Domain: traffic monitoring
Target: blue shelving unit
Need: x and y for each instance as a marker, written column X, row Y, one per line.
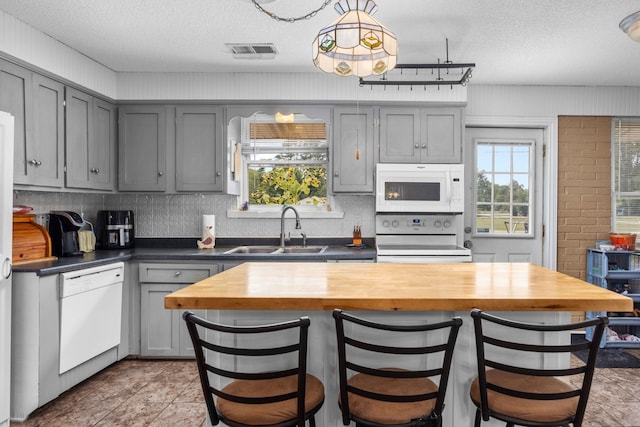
column 618, row 271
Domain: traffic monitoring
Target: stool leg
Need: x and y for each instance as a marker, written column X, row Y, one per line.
column 478, row 418
column 312, row 421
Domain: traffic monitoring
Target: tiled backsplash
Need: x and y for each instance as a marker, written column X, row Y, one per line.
column 180, row 215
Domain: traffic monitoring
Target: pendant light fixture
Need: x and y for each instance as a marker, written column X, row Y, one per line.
column 631, row 26
column 355, row 43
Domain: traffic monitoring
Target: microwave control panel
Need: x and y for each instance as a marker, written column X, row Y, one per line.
column 416, row 223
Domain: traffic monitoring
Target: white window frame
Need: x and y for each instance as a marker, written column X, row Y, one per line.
column 270, row 209
column 616, row 123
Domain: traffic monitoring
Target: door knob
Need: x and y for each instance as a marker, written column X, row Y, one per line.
column 468, row 244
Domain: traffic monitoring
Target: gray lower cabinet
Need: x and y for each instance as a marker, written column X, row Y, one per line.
column 37, row 105
column 162, row 331
column 90, row 141
column 142, row 148
column 199, row 154
column 353, row 150
column 421, row 135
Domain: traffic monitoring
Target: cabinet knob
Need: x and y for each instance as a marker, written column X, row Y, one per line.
column 160, row 173
column 34, row 162
column 417, row 146
column 424, row 145
column 177, row 273
column 336, row 174
column 218, row 174
column 95, row 170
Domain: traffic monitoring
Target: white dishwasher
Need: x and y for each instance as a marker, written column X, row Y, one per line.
column 90, row 313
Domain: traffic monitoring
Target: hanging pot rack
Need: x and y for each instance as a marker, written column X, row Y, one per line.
column 465, row 74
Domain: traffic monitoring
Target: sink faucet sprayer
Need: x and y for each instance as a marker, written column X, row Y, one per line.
column 284, row 210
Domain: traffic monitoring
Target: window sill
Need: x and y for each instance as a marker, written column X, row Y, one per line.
column 277, row 214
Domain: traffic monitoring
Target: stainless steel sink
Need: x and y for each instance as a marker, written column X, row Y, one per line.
column 253, row 250
column 301, row 250
column 274, row 250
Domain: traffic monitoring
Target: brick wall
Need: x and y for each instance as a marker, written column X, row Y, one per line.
column 584, row 189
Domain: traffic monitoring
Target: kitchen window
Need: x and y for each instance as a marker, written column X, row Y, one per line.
column 502, row 189
column 625, row 169
column 284, row 163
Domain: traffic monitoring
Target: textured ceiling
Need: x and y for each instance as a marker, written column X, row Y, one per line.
column 546, row 42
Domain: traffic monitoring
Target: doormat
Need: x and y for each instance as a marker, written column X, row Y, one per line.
column 607, row 357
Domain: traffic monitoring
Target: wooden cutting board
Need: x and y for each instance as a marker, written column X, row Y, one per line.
column 31, row 241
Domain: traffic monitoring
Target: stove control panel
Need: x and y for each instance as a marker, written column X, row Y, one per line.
column 415, row 224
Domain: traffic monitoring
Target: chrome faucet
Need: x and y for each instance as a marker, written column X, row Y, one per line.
column 284, row 210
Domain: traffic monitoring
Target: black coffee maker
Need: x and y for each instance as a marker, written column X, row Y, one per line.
column 115, row 230
column 63, row 230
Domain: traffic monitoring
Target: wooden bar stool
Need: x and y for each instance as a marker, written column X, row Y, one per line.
column 401, row 393
column 525, row 396
column 278, row 396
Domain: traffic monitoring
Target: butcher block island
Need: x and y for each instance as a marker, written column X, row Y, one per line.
column 254, row 293
column 450, row 287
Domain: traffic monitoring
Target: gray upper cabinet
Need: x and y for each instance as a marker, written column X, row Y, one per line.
column 48, row 131
column 421, row 135
column 353, row 150
column 199, row 148
column 103, row 161
column 37, row 104
column 142, row 142
column 90, row 141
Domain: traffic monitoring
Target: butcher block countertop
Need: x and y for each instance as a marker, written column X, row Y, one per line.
column 369, row 286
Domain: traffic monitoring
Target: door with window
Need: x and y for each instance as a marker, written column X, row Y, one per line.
column 504, row 200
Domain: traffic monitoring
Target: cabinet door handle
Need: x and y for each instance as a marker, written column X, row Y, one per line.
column 33, row 162
column 95, row 170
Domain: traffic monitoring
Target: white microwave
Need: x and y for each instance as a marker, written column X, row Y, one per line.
column 409, row 187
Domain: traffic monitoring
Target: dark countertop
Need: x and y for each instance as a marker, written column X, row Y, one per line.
column 186, row 250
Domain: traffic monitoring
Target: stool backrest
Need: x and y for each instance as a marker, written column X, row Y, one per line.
column 263, row 340
column 356, row 345
column 495, row 350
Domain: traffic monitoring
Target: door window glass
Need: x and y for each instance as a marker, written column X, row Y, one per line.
column 503, row 188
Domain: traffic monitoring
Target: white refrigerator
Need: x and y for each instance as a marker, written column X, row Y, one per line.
column 6, row 231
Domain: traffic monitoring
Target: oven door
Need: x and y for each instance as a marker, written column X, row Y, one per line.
column 422, row 259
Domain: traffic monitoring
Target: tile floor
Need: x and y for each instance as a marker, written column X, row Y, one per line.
column 167, row 393
column 129, row 393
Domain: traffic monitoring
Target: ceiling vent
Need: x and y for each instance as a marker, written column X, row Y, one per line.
column 252, row 51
